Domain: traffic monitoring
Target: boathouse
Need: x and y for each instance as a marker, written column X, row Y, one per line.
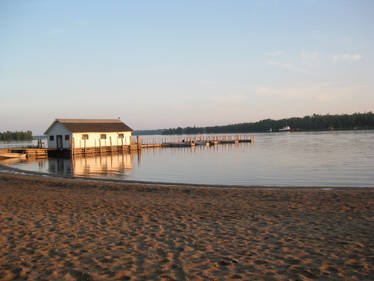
column 70, row 134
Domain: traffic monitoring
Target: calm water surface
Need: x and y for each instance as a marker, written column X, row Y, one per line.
column 277, row 159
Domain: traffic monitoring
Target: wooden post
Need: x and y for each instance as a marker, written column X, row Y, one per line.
column 111, row 147
column 72, row 145
column 100, row 145
column 84, row 146
column 139, row 142
column 253, row 139
column 122, row 143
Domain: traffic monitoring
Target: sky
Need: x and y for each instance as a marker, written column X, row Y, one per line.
column 162, row 64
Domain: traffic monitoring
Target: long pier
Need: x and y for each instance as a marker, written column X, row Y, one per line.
column 210, row 140
column 186, row 141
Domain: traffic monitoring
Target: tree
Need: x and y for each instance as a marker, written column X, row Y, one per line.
column 306, row 123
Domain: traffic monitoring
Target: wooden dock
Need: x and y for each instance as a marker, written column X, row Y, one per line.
column 104, row 149
column 209, row 140
column 10, row 155
column 189, row 141
column 32, row 152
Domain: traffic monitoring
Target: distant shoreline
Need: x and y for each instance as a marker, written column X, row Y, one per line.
column 136, row 133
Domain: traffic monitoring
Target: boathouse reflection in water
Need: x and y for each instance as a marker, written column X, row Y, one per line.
column 94, row 165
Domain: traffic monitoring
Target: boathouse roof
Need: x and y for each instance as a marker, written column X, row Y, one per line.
column 92, row 125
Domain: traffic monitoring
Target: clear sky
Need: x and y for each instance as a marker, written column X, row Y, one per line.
column 160, row 64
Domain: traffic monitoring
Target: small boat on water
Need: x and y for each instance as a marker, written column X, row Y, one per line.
column 285, row 129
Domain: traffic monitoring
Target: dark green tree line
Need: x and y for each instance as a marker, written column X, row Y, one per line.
column 313, row 122
column 15, row 136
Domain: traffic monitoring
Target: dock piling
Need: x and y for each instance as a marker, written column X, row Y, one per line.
column 138, row 142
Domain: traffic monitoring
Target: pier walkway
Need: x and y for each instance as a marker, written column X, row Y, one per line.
column 189, row 141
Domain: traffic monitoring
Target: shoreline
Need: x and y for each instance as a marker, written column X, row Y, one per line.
column 69, row 229
column 4, row 169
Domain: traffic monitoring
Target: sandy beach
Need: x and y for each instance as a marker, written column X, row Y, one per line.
column 61, row 229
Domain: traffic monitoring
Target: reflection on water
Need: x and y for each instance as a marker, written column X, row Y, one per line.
column 109, row 165
column 294, row 159
column 100, row 165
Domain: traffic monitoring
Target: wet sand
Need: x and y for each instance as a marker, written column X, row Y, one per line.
column 61, row 229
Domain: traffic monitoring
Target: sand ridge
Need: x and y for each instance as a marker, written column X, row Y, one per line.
column 58, row 229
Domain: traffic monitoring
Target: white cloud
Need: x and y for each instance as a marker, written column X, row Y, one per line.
column 300, row 93
column 346, row 58
column 57, row 30
column 323, row 93
column 274, row 53
column 80, row 22
column 288, row 66
column 231, row 99
column 309, row 58
column 309, row 55
column 283, row 93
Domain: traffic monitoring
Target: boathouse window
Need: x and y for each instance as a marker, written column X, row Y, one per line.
column 67, row 137
column 103, row 136
column 51, row 138
column 120, row 136
column 85, row 137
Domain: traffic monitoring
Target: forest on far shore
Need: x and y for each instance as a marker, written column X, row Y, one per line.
column 15, row 136
column 313, row 122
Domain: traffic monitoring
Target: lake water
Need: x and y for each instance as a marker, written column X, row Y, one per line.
column 344, row 158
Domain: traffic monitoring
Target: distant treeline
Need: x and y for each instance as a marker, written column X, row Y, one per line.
column 15, row 136
column 314, row 122
column 147, row 132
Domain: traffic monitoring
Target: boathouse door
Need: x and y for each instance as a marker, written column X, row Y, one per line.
column 59, row 142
